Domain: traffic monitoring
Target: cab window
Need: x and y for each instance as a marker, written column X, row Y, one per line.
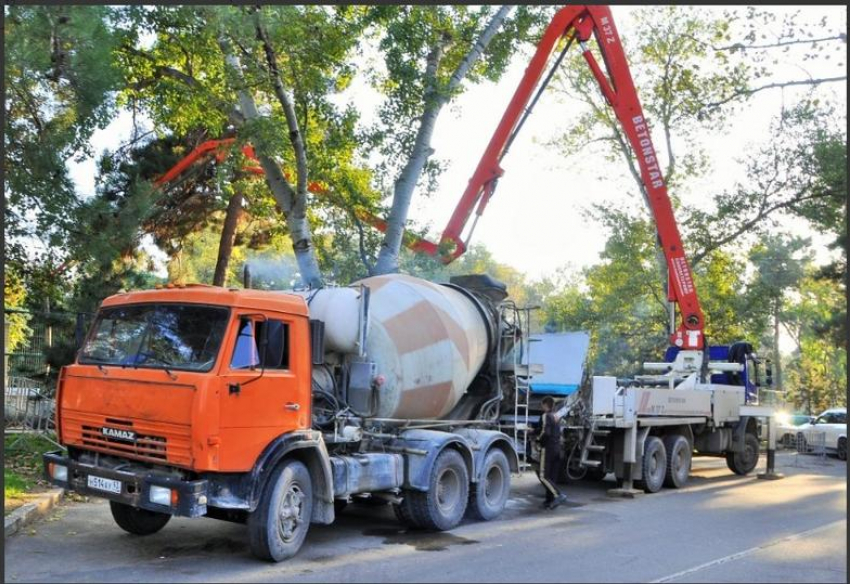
column 261, row 344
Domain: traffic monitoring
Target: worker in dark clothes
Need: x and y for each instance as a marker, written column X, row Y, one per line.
column 549, row 439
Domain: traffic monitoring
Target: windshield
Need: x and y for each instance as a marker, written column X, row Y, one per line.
column 161, row 336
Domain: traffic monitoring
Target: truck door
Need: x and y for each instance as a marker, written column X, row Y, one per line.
column 260, row 391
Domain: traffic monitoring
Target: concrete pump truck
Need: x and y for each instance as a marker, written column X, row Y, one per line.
column 275, row 409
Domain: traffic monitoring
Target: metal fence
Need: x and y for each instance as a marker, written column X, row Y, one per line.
column 810, row 443
column 43, row 342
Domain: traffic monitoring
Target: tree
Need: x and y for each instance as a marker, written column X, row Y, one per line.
column 692, row 69
column 619, row 302
column 779, row 269
column 266, row 75
column 816, row 373
column 430, row 51
column 60, row 77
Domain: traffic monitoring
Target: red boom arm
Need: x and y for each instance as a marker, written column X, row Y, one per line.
column 579, row 23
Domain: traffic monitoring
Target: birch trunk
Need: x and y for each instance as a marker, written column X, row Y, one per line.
column 405, row 184
column 293, row 206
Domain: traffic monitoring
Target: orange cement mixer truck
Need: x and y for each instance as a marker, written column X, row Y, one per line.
column 275, row 409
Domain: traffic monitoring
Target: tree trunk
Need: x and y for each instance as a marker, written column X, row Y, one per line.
column 403, row 192
column 228, row 233
column 293, row 206
column 777, row 357
column 405, row 184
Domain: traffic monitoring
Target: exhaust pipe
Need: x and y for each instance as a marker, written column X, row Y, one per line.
column 246, row 277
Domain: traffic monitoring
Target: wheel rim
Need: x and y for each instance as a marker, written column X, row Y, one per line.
column 291, row 513
column 494, row 485
column 747, row 456
column 448, row 490
column 654, row 464
column 676, row 462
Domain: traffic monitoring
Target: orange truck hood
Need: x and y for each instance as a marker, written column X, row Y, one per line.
column 154, row 409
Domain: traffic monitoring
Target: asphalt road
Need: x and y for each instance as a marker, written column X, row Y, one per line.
column 721, row 528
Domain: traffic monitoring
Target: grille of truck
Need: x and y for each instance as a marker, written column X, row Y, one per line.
column 156, row 442
column 152, row 448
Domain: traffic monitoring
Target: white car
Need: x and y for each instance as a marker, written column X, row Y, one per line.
column 833, row 425
column 787, row 426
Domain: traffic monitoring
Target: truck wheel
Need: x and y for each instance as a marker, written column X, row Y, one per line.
column 137, row 521
column 678, row 461
column 442, row 506
column 654, row 464
column 488, row 496
column 404, row 510
column 842, row 449
column 595, row 474
column 744, row 462
column 277, row 528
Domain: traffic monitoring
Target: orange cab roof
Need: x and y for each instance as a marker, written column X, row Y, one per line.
column 202, row 294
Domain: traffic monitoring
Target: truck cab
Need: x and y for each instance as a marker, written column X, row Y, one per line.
column 180, row 399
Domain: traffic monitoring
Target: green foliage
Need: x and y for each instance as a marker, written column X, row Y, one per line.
column 14, row 485
column 676, row 72
column 408, row 35
column 14, row 295
column 816, row 373
column 799, row 171
column 60, row 78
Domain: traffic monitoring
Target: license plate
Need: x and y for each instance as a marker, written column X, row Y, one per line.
column 102, row 484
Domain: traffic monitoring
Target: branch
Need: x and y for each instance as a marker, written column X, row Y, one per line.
column 746, row 226
column 479, row 47
column 743, row 47
column 163, row 71
column 295, row 137
column 749, row 92
column 671, row 158
column 361, row 243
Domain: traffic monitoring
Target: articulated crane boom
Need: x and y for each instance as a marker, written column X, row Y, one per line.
column 580, row 23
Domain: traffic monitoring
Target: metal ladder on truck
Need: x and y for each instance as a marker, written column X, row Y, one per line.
column 592, row 453
column 516, row 337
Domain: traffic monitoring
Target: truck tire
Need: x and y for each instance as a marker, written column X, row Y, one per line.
column 742, row 463
column 277, row 528
column 137, row 521
column 678, row 461
column 487, row 497
column 595, row 474
column 404, row 510
column 654, row 464
column 442, row 506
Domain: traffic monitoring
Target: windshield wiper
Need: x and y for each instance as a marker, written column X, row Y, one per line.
column 167, row 363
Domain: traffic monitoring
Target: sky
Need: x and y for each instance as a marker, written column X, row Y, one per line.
column 535, row 221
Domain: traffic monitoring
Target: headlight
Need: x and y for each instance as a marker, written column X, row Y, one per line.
column 60, row 472
column 160, row 495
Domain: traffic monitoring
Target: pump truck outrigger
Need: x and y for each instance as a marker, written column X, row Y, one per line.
column 277, row 409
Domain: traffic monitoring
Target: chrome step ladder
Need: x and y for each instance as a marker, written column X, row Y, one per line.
column 593, row 454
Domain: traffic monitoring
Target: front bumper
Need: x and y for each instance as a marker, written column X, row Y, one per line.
column 135, row 486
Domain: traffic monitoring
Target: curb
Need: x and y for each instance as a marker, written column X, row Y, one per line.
column 26, row 514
